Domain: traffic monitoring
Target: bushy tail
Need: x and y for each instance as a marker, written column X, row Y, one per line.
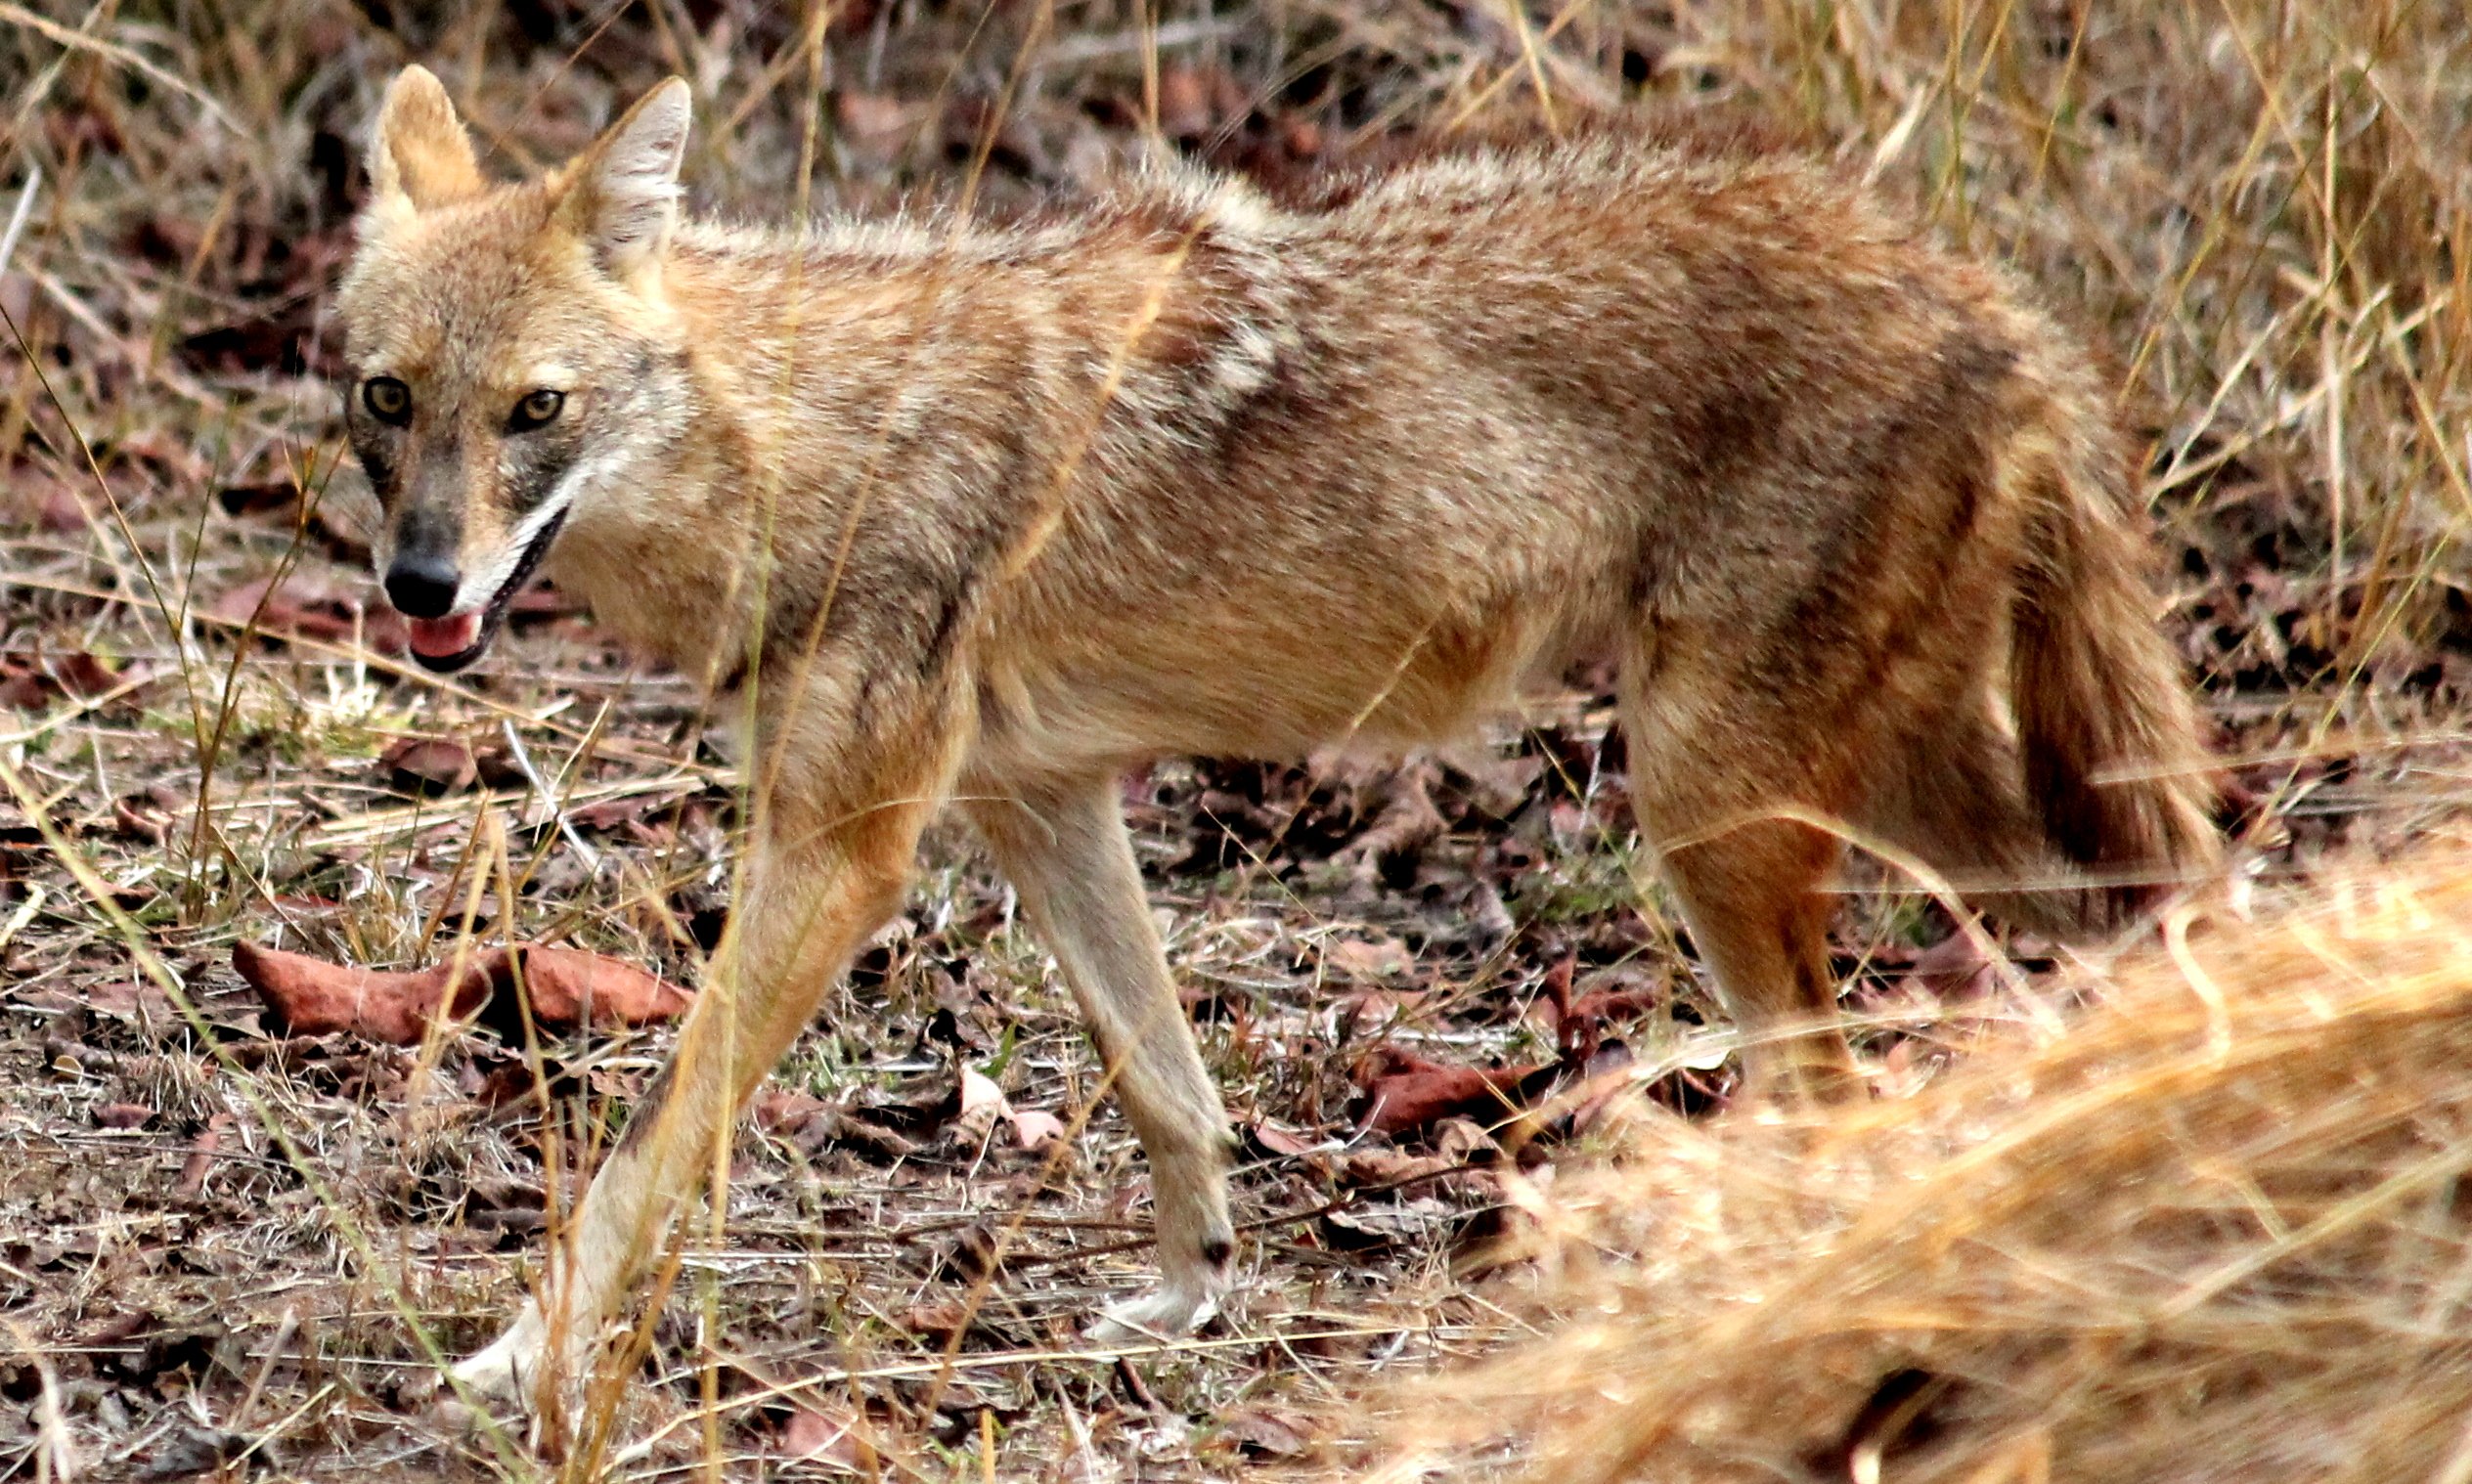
column 2113, row 759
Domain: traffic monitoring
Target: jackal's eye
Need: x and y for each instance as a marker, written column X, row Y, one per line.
column 535, row 410
column 387, row 400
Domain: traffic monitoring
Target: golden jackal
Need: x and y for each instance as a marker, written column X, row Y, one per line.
column 987, row 514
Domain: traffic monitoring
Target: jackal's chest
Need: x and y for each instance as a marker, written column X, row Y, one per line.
column 666, row 597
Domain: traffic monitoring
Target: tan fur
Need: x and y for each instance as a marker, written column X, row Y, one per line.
column 990, row 514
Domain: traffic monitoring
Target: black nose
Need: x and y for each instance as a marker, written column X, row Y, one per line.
column 422, row 586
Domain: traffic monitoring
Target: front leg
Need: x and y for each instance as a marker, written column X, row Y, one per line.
column 816, row 890
column 1064, row 848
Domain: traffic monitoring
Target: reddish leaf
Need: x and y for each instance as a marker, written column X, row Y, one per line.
column 610, row 814
column 940, row 1320
column 876, row 126
column 201, row 1153
column 1282, row 1140
column 1360, row 960
column 1619, row 1004
column 258, row 498
column 808, row 1122
column 150, row 815
column 430, row 765
column 1578, row 1021
column 1035, row 1129
column 23, row 687
column 1957, row 968
column 816, row 1438
column 310, row 996
column 813, row 1125
column 28, row 683
column 541, row 600
column 311, row 608
column 83, row 675
column 1404, row 1093
column 1260, row 1433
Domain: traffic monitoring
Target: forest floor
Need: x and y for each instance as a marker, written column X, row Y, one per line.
column 228, row 1247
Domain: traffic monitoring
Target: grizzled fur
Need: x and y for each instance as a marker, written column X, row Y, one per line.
column 989, row 514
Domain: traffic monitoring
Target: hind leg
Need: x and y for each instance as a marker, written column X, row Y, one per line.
column 1065, row 850
column 1708, row 782
column 1957, row 801
column 1756, row 903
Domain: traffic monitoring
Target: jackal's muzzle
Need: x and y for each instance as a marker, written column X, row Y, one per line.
column 444, row 641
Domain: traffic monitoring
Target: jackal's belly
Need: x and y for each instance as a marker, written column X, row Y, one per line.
column 1262, row 689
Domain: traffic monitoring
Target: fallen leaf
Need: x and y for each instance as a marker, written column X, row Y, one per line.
column 798, row 1118
column 1578, row 1022
column 1035, row 1129
column 980, row 1096
column 1391, row 1168
column 543, row 601
column 815, row 1437
column 1359, row 959
column 1377, row 1008
column 1279, row 1139
column 84, row 675
column 122, row 1116
column 566, row 986
column 980, row 1105
column 151, row 814
column 1956, row 969
column 1261, row 1434
column 259, row 498
column 939, row 1321
column 27, row 682
column 813, row 1126
column 312, row 608
column 23, row 687
column 192, row 1451
column 41, row 500
column 1185, row 102
column 428, row 767
column 201, row 1153
column 1403, row 1093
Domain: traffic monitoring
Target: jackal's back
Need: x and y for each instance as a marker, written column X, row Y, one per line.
column 1498, row 409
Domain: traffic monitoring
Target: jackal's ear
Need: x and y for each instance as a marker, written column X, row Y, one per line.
column 623, row 194
column 421, row 157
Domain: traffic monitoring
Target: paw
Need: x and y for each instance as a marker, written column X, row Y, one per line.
column 503, row 1374
column 1173, row 1312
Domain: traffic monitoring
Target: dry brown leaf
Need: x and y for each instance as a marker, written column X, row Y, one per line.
column 1403, row 1093
column 1361, row 959
column 831, row 1439
column 310, row 996
column 1035, row 1129
column 1262, row 1433
column 429, row 765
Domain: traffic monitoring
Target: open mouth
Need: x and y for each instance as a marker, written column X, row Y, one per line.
column 448, row 644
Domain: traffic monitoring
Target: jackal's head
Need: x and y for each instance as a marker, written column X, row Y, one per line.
column 509, row 351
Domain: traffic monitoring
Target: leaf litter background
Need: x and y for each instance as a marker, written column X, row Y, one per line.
column 213, row 1232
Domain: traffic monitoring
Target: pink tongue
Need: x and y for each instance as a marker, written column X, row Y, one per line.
column 439, row 637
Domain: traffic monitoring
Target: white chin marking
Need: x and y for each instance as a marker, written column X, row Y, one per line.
column 481, row 588
column 482, row 585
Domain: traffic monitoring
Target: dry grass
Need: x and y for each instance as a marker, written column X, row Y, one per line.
column 2213, row 1231
column 2259, row 208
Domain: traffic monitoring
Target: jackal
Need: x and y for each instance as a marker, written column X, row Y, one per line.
column 986, row 514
